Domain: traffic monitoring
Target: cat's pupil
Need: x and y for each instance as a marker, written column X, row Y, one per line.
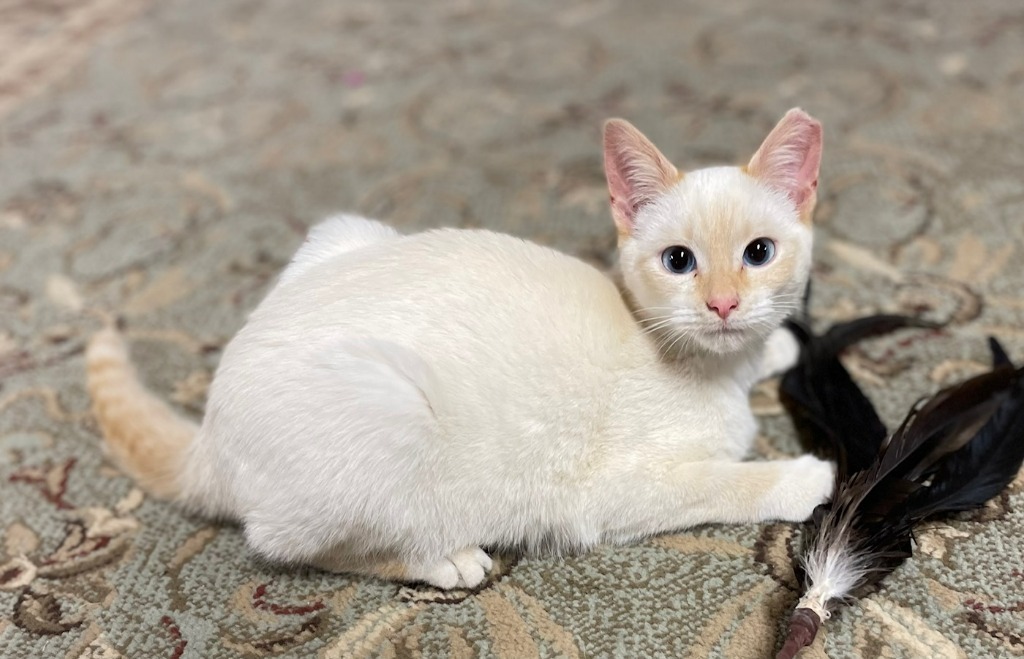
column 759, row 252
column 678, row 259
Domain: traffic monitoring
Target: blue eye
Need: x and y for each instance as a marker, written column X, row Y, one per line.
column 678, row 260
column 759, row 252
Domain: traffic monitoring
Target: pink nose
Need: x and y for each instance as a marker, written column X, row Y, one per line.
column 723, row 306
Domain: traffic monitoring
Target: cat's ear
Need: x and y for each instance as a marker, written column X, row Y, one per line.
column 789, row 158
column 636, row 171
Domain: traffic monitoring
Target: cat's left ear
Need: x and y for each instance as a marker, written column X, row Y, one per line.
column 789, row 159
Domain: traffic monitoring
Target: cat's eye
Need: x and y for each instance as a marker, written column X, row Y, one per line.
column 678, row 260
column 759, row 252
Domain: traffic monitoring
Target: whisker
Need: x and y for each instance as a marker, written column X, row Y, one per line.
column 654, row 329
column 669, row 338
column 659, row 321
column 646, row 309
column 654, row 318
column 677, row 339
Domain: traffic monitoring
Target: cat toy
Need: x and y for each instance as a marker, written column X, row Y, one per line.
column 953, row 452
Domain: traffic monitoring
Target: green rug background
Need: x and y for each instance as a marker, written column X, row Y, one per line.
column 162, row 160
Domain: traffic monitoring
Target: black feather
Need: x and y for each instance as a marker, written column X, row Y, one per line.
column 953, row 452
column 977, row 471
column 951, row 419
column 999, row 356
column 916, row 478
column 829, row 410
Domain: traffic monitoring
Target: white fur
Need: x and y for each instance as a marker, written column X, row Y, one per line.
column 780, row 352
column 419, row 397
column 334, row 236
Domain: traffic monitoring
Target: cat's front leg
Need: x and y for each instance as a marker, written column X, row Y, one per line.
column 780, row 353
column 644, row 501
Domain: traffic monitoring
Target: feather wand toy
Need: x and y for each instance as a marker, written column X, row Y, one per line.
column 953, row 452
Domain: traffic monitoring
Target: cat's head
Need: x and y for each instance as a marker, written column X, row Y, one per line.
column 715, row 258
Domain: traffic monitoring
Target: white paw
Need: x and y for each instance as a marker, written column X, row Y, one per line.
column 473, row 565
column 780, row 352
column 463, row 569
column 806, row 483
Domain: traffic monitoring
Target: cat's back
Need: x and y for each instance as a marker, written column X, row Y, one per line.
column 449, row 282
column 441, row 258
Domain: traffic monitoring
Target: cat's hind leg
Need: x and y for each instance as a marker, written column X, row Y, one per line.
column 355, row 490
column 464, row 569
column 337, row 235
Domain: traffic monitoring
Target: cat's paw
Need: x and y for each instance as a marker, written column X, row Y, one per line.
column 781, row 352
column 473, row 565
column 463, row 569
column 806, row 483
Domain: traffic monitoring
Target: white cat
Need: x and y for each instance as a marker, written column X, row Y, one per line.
column 397, row 403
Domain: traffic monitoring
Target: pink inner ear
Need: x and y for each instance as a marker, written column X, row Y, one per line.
column 806, row 179
column 636, row 171
column 619, row 191
column 790, row 157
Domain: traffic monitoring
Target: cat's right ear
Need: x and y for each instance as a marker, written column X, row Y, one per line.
column 636, row 171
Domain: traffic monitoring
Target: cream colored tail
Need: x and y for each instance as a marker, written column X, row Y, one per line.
column 143, row 434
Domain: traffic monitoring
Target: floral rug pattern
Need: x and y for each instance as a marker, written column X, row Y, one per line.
column 161, row 161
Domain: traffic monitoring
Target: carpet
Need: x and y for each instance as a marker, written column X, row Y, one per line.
column 162, row 160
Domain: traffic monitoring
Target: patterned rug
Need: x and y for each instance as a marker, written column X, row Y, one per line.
column 162, row 160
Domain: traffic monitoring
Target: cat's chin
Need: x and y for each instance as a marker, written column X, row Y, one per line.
column 725, row 341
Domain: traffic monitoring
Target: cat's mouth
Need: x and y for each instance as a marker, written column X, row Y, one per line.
column 726, row 338
column 719, row 338
column 728, row 329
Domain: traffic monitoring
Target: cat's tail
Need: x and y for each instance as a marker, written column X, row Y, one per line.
column 147, row 439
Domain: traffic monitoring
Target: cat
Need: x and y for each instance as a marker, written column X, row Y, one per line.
column 398, row 403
